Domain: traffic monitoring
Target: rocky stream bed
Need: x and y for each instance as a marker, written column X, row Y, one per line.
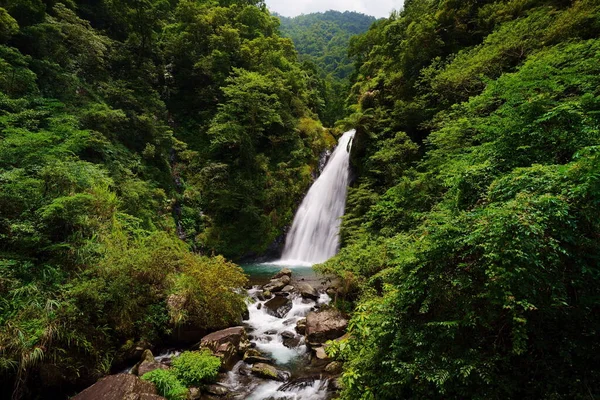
column 278, row 353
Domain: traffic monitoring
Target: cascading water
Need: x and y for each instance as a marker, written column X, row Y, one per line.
column 314, row 234
column 312, row 239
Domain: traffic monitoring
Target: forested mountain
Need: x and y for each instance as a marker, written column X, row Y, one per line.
column 471, row 255
column 323, row 39
column 124, row 125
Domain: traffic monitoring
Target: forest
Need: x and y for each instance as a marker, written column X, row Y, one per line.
column 147, row 146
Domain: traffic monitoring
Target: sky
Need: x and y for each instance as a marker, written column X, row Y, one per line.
column 292, row 8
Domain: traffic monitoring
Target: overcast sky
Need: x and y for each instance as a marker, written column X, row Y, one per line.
column 291, row 8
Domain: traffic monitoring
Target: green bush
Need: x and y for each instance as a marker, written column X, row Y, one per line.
column 167, row 384
column 195, row 368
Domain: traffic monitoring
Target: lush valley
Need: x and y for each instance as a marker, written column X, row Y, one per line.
column 322, row 41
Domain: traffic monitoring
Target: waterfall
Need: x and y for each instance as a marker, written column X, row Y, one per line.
column 314, row 236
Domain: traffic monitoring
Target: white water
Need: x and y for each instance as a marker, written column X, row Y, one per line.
column 314, row 237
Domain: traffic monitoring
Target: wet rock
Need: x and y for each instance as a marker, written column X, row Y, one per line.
column 288, row 334
column 307, row 291
column 253, row 356
column 147, row 364
column 259, row 306
column 282, row 293
column 260, row 295
column 301, row 326
column 217, row 390
column 229, row 344
column 278, row 306
column 277, row 284
column 267, row 294
column 271, row 332
column 119, row 387
column 291, row 343
column 267, row 371
column 325, row 325
column 289, row 322
column 284, row 272
column 245, row 314
column 288, row 289
column 334, row 367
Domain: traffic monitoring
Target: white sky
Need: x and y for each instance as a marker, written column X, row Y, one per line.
column 292, row 8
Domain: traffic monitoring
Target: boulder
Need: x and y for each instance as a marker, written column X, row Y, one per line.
column 278, row 306
column 288, row 334
column 147, row 364
column 267, row 294
column 291, row 343
column 229, row 344
column 254, row 356
column 120, row 387
column 277, row 284
column 217, row 390
column 325, row 325
column 301, row 326
column 334, row 367
column 267, row 371
column 288, row 289
column 307, row 291
column 284, row 272
column 245, row 313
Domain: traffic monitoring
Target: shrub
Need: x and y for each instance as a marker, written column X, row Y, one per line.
column 167, row 384
column 195, row 368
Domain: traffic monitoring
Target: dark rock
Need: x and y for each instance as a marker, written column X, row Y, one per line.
column 271, row 332
column 291, row 343
column 301, row 326
column 267, row 371
column 282, row 293
column 229, row 344
column 278, row 306
column 259, row 306
column 119, row 387
column 307, row 291
column 288, row 334
column 284, row 272
column 245, row 314
column 325, row 325
column 147, row 364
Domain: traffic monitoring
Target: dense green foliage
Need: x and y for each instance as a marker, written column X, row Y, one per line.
column 167, row 384
column 322, row 40
column 194, row 368
column 471, row 238
column 190, row 369
column 130, row 134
